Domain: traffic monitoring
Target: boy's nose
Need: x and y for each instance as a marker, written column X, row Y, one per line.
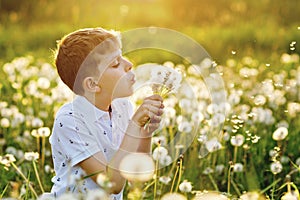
column 128, row 65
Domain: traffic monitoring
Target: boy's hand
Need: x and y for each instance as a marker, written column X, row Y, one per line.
column 150, row 111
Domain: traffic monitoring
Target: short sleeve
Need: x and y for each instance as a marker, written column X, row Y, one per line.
column 75, row 140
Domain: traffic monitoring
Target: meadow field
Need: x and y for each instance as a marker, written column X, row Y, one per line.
column 243, row 147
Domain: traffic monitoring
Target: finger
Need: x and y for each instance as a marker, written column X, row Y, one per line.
column 153, row 102
column 155, row 111
column 155, row 97
column 155, row 119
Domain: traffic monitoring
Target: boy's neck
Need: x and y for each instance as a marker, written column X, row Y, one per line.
column 101, row 102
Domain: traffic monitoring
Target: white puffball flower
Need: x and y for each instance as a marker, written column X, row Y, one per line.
column 238, row 167
column 237, row 140
column 280, row 133
column 103, row 181
column 31, row 156
column 276, row 167
column 210, row 195
column 252, row 196
column 97, row 194
column 220, row 168
column 185, row 186
column 213, row 145
column 11, row 150
column 43, row 83
column 185, row 127
column 44, row 132
column 173, row 196
column 5, row 123
column 165, row 161
column 159, row 152
column 197, row 117
column 165, row 179
column 208, row 170
column 37, row 122
column 137, row 167
column 67, row 196
column 290, row 196
column 298, row 161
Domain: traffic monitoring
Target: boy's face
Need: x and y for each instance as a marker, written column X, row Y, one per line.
column 116, row 78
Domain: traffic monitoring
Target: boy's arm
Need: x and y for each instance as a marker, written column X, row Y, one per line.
column 136, row 139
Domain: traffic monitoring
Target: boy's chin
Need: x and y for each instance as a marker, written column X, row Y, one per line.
column 123, row 95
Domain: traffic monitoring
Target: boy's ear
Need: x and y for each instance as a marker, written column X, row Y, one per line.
column 90, row 85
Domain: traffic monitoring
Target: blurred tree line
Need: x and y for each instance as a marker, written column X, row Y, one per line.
column 186, row 12
column 236, row 24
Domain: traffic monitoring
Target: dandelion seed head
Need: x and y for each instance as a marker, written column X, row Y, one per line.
column 31, row 156
column 210, row 195
column 5, row 123
column 252, row 196
column 37, row 122
column 292, row 195
column 284, row 159
column 172, row 196
column 185, row 127
column 213, row 145
column 159, row 152
column 165, row 180
column 276, row 167
column 220, row 168
column 185, row 186
column 237, row 140
column 280, row 133
column 44, row 132
column 165, row 161
column 137, row 167
column 298, row 161
column 238, row 167
column 7, row 160
column 98, row 194
column 208, row 170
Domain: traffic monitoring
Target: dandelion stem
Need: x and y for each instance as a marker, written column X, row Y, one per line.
column 267, row 188
column 26, row 179
column 229, row 179
column 38, row 144
column 4, row 190
column 156, row 176
column 273, row 188
column 236, row 188
column 149, row 185
column 37, row 176
column 213, row 182
column 235, row 154
column 43, row 151
column 180, row 173
column 174, row 178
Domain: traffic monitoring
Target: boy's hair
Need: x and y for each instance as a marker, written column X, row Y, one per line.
column 72, row 52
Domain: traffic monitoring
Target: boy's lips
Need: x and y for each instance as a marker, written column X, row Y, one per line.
column 133, row 80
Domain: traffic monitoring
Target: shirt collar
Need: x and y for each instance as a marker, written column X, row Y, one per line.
column 87, row 109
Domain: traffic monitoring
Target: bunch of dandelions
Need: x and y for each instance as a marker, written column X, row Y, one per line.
column 165, row 80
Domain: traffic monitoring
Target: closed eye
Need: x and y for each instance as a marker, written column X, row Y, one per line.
column 115, row 63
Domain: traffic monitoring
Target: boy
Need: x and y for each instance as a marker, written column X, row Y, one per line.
column 96, row 130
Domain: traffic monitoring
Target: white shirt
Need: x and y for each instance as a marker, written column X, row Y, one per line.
column 80, row 130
